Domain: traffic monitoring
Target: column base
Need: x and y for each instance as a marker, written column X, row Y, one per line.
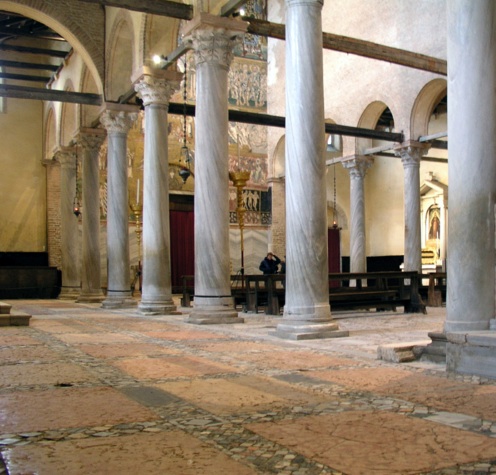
column 69, row 293
column 304, row 330
column 95, row 296
column 158, row 308
column 214, row 317
column 113, row 301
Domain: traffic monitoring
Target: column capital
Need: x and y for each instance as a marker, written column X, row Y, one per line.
column 91, row 138
column 66, row 156
column 117, row 121
column 156, row 86
column 214, row 38
column 411, row 152
column 357, row 165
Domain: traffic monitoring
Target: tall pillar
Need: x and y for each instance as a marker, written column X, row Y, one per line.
column 411, row 154
column 68, row 224
column 307, row 313
column 357, row 167
column 91, row 287
column 213, row 40
column 155, row 88
column 118, row 120
column 471, row 165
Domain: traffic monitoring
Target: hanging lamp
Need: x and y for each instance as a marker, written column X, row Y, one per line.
column 184, row 171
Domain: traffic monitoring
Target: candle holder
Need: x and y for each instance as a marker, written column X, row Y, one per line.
column 239, row 179
column 137, row 210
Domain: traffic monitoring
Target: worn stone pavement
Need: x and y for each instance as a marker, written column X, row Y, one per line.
column 90, row 391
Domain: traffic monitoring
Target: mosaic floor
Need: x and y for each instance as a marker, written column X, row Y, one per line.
column 91, row 391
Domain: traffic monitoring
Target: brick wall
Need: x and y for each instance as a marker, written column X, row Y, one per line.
column 53, row 214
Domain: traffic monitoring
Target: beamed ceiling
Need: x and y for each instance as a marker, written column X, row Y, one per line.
column 31, row 53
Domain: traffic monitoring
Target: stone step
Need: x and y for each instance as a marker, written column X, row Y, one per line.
column 5, row 308
column 401, row 352
column 16, row 319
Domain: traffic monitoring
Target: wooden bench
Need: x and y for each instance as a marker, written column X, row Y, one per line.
column 436, row 288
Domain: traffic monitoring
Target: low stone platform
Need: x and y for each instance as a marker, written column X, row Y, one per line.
column 12, row 318
column 401, row 352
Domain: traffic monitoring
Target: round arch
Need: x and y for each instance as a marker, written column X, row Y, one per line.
column 50, row 133
column 278, row 158
column 120, row 57
column 68, row 118
column 60, row 20
column 368, row 120
column 427, row 100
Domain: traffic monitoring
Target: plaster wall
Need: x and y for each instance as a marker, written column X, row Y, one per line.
column 23, row 210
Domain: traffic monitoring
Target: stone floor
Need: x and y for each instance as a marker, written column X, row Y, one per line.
column 91, row 391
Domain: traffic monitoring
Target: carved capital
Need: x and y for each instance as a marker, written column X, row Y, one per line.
column 91, row 139
column 154, row 90
column 66, row 156
column 411, row 153
column 357, row 165
column 118, row 122
column 214, row 46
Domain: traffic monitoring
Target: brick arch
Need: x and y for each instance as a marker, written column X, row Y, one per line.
column 80, row 23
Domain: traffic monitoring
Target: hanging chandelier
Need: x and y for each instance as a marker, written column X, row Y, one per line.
column 76, row 206
column 185, row 156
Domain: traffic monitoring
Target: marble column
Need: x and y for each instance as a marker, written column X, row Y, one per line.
column 307, row 313
column 118, row 119
column 471, row 165
column 411, row 154
column 155, row 87
column 357, row 167
column 91, row 287
column 71, row 283
column 213, row 40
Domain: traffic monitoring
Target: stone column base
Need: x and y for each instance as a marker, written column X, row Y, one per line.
column 119, row 301
column 158, row 308
column 305, row 330
column 69, row 293
column 90, row 297
column 213, row 317
column 436, row 350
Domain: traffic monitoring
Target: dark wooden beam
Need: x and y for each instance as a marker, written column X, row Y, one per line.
column 22, row 65
column 357, row 47
column 178, row 10
column 24, row 77
column 28, row 50
column 35, row 93
column 277, row 121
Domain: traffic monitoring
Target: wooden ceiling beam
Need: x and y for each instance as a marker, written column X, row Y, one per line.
column 36, row 93
column 178, row 10
column 28, row 50
column 22, row 65
column 24, row 77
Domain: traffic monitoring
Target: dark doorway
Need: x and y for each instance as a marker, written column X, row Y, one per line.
column 334, row 246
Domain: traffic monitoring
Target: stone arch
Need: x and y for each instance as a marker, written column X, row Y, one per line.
column 158, row 35
column 278, row 159
column 368, row 120
column 427, row 100
column 120, row 57
column 50, row 134
column 85, row 33
column 88, row 114
column 68, row 118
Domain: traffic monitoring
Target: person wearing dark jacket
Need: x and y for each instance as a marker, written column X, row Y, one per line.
column 270, row 264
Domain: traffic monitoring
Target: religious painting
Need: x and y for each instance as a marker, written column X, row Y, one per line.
column 247, row 84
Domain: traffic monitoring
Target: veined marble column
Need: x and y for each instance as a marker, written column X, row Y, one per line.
column 118, row 120
column 307, row 313
column 471, row 166
column 357, row 167
column 213, row 40
column 71, row 283
column 91, row 287
column 155, row 88
column 411, row 154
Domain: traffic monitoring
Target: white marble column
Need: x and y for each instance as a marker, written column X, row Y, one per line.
column 71, row 282
column 213, row 40
column 307, row 313
column 471, row 165
column 411, row 154
column 118, row 119
column 155, row 87
column 91, row 287
column 357, row 167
